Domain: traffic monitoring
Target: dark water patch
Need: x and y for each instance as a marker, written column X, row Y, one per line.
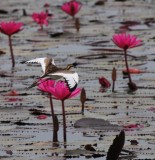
column 3, row 11
column 38, row 112
column 20, row 123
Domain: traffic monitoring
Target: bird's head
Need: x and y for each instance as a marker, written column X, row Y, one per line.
column 69, row 66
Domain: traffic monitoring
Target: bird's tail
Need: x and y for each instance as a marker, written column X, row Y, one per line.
column 36, row 83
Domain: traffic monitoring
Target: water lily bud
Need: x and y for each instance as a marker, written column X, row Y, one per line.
column 114, row 75
column 83, row 96
column 104, row 82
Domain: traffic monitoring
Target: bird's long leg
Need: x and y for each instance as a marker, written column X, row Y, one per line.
column 42, row 76
column 33, row 84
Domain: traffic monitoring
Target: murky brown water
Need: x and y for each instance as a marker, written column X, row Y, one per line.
column 22, row 135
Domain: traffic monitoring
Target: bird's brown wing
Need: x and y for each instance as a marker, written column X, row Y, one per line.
column 51, row 69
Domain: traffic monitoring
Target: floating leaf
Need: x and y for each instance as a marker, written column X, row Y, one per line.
column 95, row 123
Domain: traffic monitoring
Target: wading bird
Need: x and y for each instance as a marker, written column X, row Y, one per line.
column 51, row 71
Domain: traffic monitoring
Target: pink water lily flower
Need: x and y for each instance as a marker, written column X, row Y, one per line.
column 61, row 91
column 72, row 7
column 40, row 18
column 126, row 41
column 44, row 85
column 10, row 28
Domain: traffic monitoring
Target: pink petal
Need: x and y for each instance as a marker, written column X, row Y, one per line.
column 40, row 18
column 71, row 7
column 126, row 41
column 62, row 90
column 118, row 41
column 10, row 28
column 66, row 8
column 77, row 6
column 45, row 84
column 75, row 93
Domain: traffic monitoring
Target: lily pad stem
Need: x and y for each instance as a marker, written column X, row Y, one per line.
column 51, row 104
column 64, row 120
column 127, row 67
column 11, row 51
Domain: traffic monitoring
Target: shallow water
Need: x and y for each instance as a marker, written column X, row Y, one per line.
column 23, row 136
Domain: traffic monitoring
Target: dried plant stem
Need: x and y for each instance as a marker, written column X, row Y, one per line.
column 114, row 75
column 113, row 86
column 127, row 67
column 64, row 120
column 11, row 51
column 83, row 99
column 82, row 108
column 77, row 24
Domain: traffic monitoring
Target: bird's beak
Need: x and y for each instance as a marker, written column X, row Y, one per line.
column 74, row 65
